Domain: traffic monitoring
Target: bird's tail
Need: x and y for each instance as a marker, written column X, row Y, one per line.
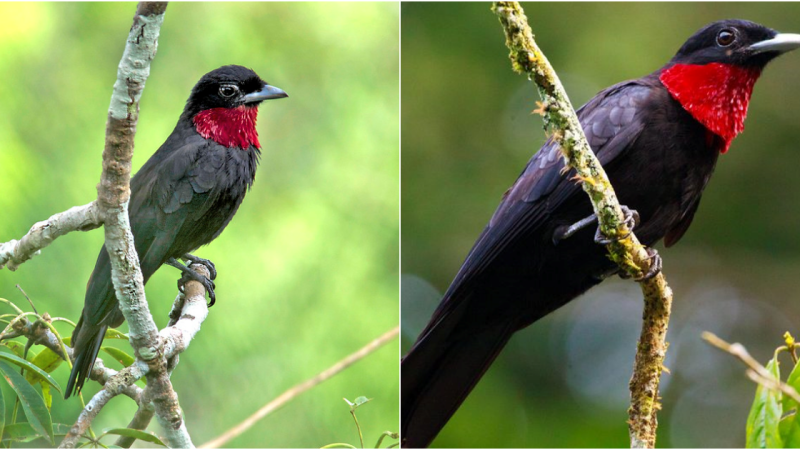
column 86, row 342
column 439, row 372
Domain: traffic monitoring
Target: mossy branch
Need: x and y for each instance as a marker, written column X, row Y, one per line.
column 561, row 122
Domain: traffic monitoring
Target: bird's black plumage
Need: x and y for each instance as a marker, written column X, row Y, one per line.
column 181, row 198
column 659, row 159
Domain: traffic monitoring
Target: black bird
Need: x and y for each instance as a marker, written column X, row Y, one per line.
column 658, row 138
column 183, row 196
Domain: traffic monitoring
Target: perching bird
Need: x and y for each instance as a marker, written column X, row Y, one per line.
column 658, row 138
column 183, row 196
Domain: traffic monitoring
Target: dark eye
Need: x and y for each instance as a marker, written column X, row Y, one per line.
column 725, row 38
column 228, row 90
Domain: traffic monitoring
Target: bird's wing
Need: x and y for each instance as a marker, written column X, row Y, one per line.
column 170, row 194
column 611, row 121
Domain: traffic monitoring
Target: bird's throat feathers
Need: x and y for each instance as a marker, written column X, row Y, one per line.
column 230, row 127
column 715, row 94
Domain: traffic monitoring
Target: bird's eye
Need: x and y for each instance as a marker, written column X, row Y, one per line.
column 228, row 90
column 725, row 37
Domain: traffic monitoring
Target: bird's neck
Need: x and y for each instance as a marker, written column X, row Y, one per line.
column 230, row 127
column 716, row 95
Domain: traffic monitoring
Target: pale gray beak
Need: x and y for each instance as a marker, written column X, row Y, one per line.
column 782, row 43
column 268, row 93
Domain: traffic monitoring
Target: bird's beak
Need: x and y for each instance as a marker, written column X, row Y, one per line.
column 269, row 92
column 781, row 43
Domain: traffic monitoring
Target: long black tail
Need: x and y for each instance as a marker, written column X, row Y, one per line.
column 439, row 372
column 86, row 342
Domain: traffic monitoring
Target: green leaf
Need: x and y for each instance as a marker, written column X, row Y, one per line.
column 338, row 445
column 790, row 431
column 765, row 415
column 23, row 432
column 121, row 357
column 361, row 400
column 29, row 366
column 138, row 434
column 112, row 333
column 15, row 347
column 32, row 403
column 47, row 396
column 46, row 360
column 793, row 381
column 2, row 412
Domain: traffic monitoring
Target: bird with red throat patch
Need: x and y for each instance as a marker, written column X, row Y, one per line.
column 182, row 197
column 658, row 138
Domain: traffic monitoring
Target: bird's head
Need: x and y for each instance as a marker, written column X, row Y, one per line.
column 713, row 74
column 224, row 105
column 735, row 42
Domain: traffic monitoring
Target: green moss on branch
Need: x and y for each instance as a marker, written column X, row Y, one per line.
column 562, row 123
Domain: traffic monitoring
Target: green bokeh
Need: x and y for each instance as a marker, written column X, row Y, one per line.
column 308, row 268
column 468, row 132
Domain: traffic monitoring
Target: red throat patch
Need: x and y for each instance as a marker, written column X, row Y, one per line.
column 716, row 95
column 231, row 127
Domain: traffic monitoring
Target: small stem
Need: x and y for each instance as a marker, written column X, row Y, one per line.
column 358, row 427
column 27, row 298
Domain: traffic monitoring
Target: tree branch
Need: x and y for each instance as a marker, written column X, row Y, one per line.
column 156, row 353
column 113, row 194
column 561, row 121
column 85, row 418
column 298, row 389
column 13, row 253
column 141, row 419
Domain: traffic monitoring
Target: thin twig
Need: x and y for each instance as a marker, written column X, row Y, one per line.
column 562, row 123
column 756, row 371
column 27, row 298
column 302, row 387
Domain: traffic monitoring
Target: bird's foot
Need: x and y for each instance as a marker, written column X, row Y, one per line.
column 197, row 260
column 655, row 266
column 631, row 221
column 191, row 275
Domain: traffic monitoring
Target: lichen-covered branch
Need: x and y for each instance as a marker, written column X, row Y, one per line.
column 113, row 191
column 562, row 123
column 83, row 218
column 85, row 418
column 156, row 353
column 113, row 194
column 296, row 390
column 38, row 332
column 193, row 311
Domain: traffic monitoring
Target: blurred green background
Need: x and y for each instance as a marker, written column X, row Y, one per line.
column 309, row 266
column 467, row 132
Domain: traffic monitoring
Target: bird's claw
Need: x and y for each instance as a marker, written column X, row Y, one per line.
column 631, row 221
column 205, row 262
column 207, row 283
column 654, row 269
column 655, row 265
